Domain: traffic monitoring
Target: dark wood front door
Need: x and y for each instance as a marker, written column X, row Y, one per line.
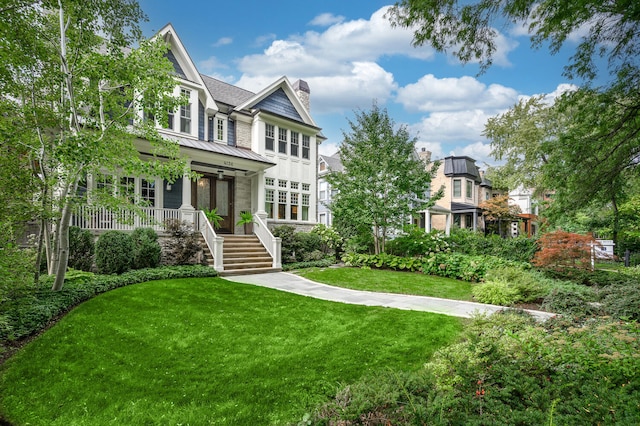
column 209, row 192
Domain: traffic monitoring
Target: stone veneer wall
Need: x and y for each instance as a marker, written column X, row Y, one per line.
column 299, row 227
column 242, row 200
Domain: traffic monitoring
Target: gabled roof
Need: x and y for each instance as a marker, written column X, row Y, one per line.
column 277, row 89
column 333, row 162
column 182, row 62
column 226, row 93
column 461, row 166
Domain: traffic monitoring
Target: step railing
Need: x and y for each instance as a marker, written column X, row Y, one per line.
column 214, row 242
column 271, row 243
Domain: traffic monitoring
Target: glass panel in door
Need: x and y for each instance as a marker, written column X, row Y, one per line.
column 223, row 203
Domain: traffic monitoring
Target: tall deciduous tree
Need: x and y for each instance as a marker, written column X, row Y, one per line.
column 588, row 145
column 609, row 29
column 384, row 182
column 79, row 90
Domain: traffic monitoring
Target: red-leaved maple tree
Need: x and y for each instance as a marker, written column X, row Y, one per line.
column 561, row 249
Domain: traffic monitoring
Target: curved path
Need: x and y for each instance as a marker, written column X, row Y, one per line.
column 296, row 284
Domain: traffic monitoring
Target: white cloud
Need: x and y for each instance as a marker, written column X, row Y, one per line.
column 431, row 94
column 479, row 151
column 326, row 19
column 456, row 126
column 328, row 148
column 339, row 63
column 223, row 41
column 210, row 65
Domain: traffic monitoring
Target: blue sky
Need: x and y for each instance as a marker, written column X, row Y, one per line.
column 350, row 56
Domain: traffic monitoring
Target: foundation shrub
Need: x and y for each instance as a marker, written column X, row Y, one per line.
column 147, row 251
column 81, row 249
column 114, row 252
column 298, row 246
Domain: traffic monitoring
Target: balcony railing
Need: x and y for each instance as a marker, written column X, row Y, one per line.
column 102, row 219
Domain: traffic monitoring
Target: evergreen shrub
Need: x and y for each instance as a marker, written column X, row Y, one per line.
column 147, row 251
column 114, row 252
column 82, row 248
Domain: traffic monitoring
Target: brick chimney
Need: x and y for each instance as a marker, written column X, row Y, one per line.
column 304, row 94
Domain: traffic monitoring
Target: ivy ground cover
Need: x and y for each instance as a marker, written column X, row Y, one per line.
column 206, row 351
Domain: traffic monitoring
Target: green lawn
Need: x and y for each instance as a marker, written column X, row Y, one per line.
column 391, row 282
column 207, row 351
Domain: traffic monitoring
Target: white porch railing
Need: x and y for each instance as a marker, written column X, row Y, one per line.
column 214, row 242
column 102, row 219
column 271, row 243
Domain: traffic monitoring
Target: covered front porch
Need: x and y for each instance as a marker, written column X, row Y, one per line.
column 230, row 180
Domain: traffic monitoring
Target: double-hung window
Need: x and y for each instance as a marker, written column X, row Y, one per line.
column 295, row 143
column 305, row 147
column 469, row 189
column 282, row 140
column 282, row 204
column 305, row 206
column 294, row 205
column 185, row 113
column 269, row 134
column 269, row 203
column 220, row 129
column 457, row 188
column 148, row 192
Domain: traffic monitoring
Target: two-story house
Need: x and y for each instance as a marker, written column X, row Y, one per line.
column 464, row 189
column 326, row 165
column 254, row 152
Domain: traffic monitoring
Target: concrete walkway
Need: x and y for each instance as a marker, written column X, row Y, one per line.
column 295, row 284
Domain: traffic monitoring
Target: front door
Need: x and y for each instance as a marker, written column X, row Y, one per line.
column 209, row 192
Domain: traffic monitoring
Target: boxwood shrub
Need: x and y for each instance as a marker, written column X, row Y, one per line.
column 114, row 252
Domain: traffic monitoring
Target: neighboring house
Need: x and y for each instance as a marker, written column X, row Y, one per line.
column 256, row 152
column 326, row 165
column 464, row 189
column 524, row 198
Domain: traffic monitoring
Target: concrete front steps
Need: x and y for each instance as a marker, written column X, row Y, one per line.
column 245, row 254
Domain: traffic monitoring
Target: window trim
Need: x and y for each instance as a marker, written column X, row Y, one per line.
column 269, row 137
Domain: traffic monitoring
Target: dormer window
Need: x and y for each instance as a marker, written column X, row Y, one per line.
column 185, row 113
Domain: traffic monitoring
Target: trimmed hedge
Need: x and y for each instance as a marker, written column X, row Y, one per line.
column 32, row 312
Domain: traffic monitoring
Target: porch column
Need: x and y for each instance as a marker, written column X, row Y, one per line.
column 475, row 221
column 447, row 226
column 427, row 220
column 187, row 211
column 261, row 193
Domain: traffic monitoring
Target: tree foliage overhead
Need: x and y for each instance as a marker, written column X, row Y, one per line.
column 471, row 29
column 384, row 182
